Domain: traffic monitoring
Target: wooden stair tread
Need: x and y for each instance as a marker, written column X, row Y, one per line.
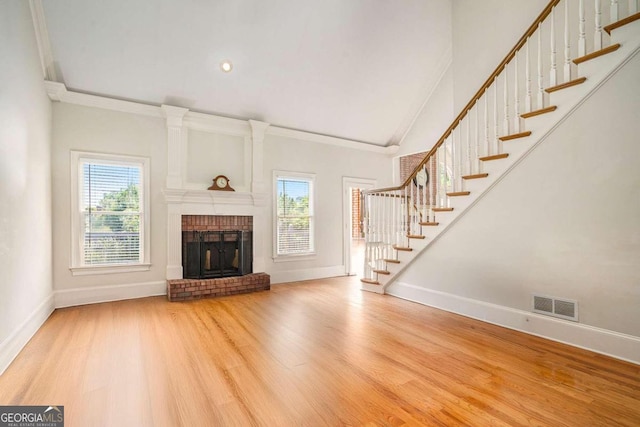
column 459, row 193
column 538, row 112
column 494, row 157
column 430, row 224
column 370, row 281
column 392, row 261
column 415, row 236
column 402, row 248
column 515, row 136
column 476, row 176
column 382, row 271
column 566, row 85
column 442, row 209
column 597, row 53
column 621, row 23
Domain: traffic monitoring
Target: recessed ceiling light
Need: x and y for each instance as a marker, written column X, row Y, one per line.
column 226, row 66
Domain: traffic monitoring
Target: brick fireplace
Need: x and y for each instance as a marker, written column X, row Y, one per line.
column 210, row 211
column 216, row 246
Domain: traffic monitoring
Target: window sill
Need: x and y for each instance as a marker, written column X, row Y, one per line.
column 108, row 269
column 289, row 258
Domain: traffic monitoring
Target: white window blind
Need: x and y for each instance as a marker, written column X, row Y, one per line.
column 111, row 212
column 294, row 212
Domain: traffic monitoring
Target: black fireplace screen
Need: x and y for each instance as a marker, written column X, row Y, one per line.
column 207, row 254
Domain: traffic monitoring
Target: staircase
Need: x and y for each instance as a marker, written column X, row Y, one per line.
column 552, row 69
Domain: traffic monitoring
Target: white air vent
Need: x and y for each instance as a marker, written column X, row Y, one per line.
column 556, row 307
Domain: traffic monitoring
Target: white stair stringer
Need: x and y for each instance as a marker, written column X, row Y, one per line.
column 597, row 71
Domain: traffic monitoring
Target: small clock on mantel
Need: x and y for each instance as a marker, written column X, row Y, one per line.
column 221, row 183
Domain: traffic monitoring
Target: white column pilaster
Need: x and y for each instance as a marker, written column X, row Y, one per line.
column 174, row 240
column 259, row 190
column 176, row 136
column 258, row 130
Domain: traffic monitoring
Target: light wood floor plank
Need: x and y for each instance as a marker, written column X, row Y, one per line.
column 311, row 353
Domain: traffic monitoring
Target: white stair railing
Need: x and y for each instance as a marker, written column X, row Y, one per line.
column 570, row 28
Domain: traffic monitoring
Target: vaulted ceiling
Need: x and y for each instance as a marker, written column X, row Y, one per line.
column 356, row 69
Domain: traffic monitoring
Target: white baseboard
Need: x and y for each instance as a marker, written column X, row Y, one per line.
column 610, row 343
column 306, row 274
column 15, row 342
column 98, row 294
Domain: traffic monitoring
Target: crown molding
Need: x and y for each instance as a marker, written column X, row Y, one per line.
column 330, row 140
column 218, row 124
column 59, row 92
column 204, row 122
column 42, row 39
column 174, row 115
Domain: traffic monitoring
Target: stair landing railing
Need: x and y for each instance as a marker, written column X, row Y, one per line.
column 545, row 58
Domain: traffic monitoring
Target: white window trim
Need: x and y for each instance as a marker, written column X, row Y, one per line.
column 77, row 269
column 279, row 174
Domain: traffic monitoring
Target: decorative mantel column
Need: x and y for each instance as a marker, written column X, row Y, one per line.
column 258, row 130
column 176, row 136
column 259, row 191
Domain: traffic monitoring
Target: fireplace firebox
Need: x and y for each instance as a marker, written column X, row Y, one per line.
column 209, row 254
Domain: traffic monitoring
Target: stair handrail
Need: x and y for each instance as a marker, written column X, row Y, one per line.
column 512, row 53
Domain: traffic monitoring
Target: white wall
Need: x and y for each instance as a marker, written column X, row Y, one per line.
column 330, row 163
column 483, row 33
column 224, row 154
column 25, row 184
column 436, row 116
column 93, row 129
column 563, row 223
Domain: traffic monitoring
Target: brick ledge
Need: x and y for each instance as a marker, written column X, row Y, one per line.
column 190, row 289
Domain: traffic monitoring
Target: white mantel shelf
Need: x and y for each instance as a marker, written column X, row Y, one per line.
column 212, row 197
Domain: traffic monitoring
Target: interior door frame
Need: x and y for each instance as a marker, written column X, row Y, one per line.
column 347, row 184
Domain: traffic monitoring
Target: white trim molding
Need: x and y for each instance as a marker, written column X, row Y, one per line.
column 610, row 343
column 42, row 39
column 78, row 266
column 350, row 182
column 204, row 122
column 306, row 274
column 331, row 140
column 98, row 294
column 58, row 92
column 15, row 342
column 310, row 178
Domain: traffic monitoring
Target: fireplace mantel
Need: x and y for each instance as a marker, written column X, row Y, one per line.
column 209, row 197
column 209, row 202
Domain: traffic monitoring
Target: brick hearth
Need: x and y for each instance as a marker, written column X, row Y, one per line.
column 190, row 289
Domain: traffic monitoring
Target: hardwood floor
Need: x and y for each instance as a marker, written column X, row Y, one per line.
column 312, row 353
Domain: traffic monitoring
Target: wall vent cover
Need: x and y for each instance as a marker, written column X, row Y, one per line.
column 556, row 307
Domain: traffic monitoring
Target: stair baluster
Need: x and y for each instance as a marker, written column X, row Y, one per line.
column 528, row 104
column 567, row 44
column 395, row 219
column 597, row 36
column 540, row 68
column 505, row 95
column 582, row 36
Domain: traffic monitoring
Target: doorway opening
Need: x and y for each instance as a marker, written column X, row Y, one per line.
column 354, row 245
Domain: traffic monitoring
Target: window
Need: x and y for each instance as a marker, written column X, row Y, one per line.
column 109, row 213
column 293, row 214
